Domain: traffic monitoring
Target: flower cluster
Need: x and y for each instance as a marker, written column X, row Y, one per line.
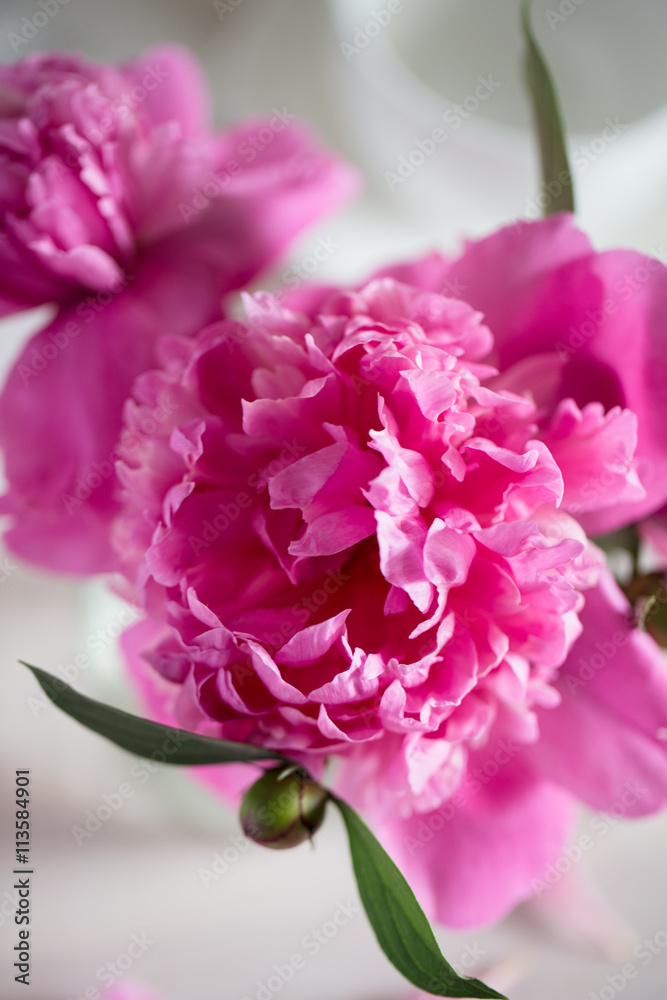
column 357, row 534
column 361, row 521
column 123, row 208
column 356, row 530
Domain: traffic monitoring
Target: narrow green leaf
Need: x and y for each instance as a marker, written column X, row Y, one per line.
column 556, row 172
column 145, row 738
column 400, row 925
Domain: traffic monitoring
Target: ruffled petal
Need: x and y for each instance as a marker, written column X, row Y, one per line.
column 542, row 289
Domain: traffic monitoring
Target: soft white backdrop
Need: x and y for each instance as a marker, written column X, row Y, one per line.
column 139, row 874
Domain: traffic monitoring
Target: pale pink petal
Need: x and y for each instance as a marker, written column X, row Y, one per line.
column 605, row 741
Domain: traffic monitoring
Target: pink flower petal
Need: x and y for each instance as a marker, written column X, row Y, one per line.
column 473, row 859
column 311, row 643
column 614, row 698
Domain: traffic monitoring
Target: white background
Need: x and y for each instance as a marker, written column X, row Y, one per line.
column 139, row 874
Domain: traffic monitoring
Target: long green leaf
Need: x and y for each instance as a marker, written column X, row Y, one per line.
column 400, row 925
column 145, row 738
column 556, row 172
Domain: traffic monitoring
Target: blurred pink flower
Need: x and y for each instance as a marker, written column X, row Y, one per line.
column 95, row 160
column 121, row 206
column 356, row 524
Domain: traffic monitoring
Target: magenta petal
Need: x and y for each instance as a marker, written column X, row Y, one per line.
column 428, row 273
column 61, row 409
column 594, row 451
column 358, row 682
column 267, row 671
column 311, row 643
column 473, row 859
column 298, row 484
column 173, row 86
column 455, row 589
column 334, row 532
column 514, row 277
column 447, row 555
column 433, row 390
column 607, row 740
column 542, row 289
column 84, row 265
column 158, row 699
column 267, row 200
column 402, row 557
column 24, row 281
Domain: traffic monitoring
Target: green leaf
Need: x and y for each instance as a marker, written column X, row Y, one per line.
column 400, row 925
column 556, row 172
column 145, row 738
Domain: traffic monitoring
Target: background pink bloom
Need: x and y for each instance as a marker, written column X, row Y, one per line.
column 349, row 525
column 121, row 206
column 94, row 161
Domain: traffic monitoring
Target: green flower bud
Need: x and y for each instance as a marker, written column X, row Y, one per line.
column 283, row 809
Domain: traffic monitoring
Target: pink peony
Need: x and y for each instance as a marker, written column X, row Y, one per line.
column 356, row 538
column 123, row 208
column 95, row 160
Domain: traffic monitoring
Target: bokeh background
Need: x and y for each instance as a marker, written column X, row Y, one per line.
column 370, row 92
